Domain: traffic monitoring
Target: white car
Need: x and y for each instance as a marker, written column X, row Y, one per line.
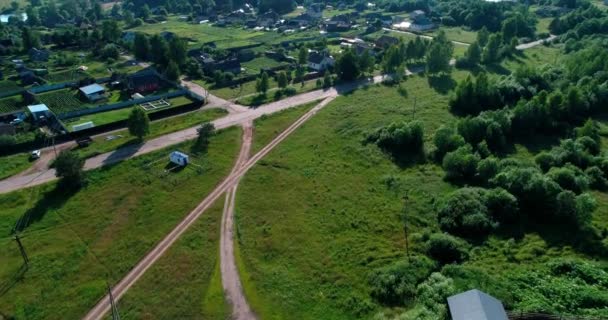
column 35, row 154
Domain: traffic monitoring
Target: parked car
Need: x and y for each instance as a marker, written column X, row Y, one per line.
column 35, row 154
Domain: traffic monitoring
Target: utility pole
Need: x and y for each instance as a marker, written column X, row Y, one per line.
column 26, row 260
column 115, row 314
column 405, row 231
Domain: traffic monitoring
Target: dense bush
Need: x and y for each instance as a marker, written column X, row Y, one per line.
column 446, row 140
column 399, row 137
column 432, row 294
column 465, row 213
column 396, row 283
column 461, row 164
column 445, row 248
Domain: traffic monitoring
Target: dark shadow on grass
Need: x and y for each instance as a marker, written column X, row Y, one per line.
column 405, row 159
column 12, row 281
column 124, row 151
column 498, row 69
column 51, row 200
column 442, row 83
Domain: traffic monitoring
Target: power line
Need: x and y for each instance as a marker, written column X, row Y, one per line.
column 26, row 260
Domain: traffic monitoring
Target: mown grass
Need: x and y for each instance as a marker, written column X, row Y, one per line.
column 457, row 34
column 157, row 128
column 327, row 217
column 76, row 242
column 187, row 275
column 13, row 164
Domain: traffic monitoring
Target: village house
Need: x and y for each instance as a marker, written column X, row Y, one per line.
column 93, row 92
column 40, row 112
column 320, row 61
column 144, row 81
column 337, row 26
column 268, row 19
column 302, row 20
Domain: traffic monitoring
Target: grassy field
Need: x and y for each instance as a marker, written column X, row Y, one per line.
column 256, row 65
column 268, row 127
column 13, row 164
column 76, row 242
column 457, row 34
column 157, row 128
column 229, row 93
column 542, row 26
column 256, row 100
column 306, row 249
column 187, row 275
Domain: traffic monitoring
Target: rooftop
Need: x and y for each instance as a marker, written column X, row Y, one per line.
column 476, row 305
column 92, row 89
column 38, row 108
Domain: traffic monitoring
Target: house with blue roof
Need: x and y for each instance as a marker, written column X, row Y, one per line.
column 93, row 92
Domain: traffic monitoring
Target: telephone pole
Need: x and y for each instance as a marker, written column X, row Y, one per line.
column 115, row 314
column 26, row 260
column 405, row 231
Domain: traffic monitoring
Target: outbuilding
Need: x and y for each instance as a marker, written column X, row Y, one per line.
column 93, row 92
column 179, row 158
column 39, row 112
column 476, row 305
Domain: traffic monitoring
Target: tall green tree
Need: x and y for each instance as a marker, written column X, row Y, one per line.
column 69, row 167
column 347, row 66
column 205, row 132
column 439, row 54
column 178, row 48
column 262, row 84
column 282, row 80
column 29, row 39
column 483, row 36
column 141, row 46
column 303, row 56
column 172, row 72
column 159, row 50
column 139, row 123
column 367, row 62
column 473, row 54
column 491, row 53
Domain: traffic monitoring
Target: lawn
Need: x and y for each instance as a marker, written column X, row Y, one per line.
column 254, row 99
column 188, row 275
column 157, row 128
column 457, row 34
column 542, row 26
column 77, row 242
column 229, row 93
column 256, row 65
column 327, row 217
column 13, row 164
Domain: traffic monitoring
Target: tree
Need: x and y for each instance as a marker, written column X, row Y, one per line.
column 392, row 60
column 30, row 39
column 205, row 132
column 159, row 50
column 473, row 54
column 347, row 66
column 446, row 140
column 366, row 62
column 483, row 36
column 110, row 51
column 141, row 46
column 110, row 31
column 178, row 50
column 439, row 54
column 432, row 294
column 139, row 123
column 262, row 84
column 327, row 80
column 282, row 80
column 69, row 167
column 303, row 56
column 491, row 52
column 396, row 283
column 172, row 72
column 465, row 213
column 33, row 19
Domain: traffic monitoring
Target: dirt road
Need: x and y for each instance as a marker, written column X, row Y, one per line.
column 532, row 44
column 231, row 283
column 121, row 288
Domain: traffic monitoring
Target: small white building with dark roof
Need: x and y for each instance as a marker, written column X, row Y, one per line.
column 476, row 305
column 93, row 92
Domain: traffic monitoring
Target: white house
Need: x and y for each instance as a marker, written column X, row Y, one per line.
column 320, row 61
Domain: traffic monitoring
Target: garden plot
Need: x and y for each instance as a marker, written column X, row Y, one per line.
column 155, row 105
column 62, row 101
column 11, row 104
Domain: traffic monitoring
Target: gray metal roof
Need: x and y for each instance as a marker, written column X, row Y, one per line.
column 38, row 108
column 476, row 305
column 92, row 89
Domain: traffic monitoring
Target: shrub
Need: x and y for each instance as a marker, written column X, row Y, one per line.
column 461, row 164
column 7, row 141
column 68, row 167
column 396, row 283
column 398, row 137
column 487, row 169
column 569, row 178
column 445, row 248
column 465, row 213
column 502, row 205
column 596, row 178
column 446, row 140
column 432, row 294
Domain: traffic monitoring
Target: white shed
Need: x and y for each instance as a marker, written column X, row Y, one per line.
column 179, row 158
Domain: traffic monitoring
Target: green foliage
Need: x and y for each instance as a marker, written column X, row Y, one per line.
column 445, row 248
column 172, row 71
column 473, row 96
column 399, row 137
column 282, row 80
column 432, row 294
column 262, row 84
column 141, row 46
column 460, row 164
column 446, row 139
column 69, row 167
column 396, row 283
column 138, row 123
column 110, row 51
column 465, row 213
column 205, row 132
column 439, row 54
column 347, row 66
